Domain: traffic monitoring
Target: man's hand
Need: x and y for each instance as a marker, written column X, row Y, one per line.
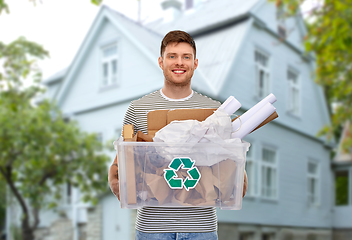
column 113, row 178
column 245, row 183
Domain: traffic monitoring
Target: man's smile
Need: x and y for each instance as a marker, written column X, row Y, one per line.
column 178, row 71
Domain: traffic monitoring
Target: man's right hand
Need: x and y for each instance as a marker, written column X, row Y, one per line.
column 114, row 179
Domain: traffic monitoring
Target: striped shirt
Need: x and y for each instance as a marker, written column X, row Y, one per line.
column 170, row 219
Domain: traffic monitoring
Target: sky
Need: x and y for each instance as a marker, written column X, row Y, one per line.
column 61, row 25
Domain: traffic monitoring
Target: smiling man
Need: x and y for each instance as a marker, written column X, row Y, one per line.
column 178, row 62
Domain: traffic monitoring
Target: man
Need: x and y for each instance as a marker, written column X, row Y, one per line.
column 178, row 62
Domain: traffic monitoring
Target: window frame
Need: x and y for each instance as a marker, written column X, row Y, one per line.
column 273, row 166
column 108, row 60
column 261, row 92
column 317, row 177
column 281, row 21
column 252, row 173
column 291, row 87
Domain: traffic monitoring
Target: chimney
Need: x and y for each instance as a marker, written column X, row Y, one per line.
column 172, row 9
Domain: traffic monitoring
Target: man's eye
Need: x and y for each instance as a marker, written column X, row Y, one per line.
column 186, row 57
column 172, row 56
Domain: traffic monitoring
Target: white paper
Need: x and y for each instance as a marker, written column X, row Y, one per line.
column 231, row 105
column 254, row 121
column 236, row 125
column 215, row 128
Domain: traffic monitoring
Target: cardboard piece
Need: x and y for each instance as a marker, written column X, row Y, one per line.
column 128, row 131
column 186, row 114
column 269, row 119
column 225, row 181
column 158, row 119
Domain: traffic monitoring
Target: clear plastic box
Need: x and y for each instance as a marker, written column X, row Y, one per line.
column 164, row 174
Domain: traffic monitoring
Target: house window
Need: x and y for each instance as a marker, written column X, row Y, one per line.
column 189, row 4
column 341, row 188
column 252, row 174
column 281, row 25
column 268, row 174
column 268, row 236
column 109, row 64
column 262, row 74
column 313, row 183
column 67, row 193
column 246, row 236
column 293, row 92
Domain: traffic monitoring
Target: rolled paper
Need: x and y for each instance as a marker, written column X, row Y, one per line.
column 256, row 119
column 244, row 117
column 231, row 105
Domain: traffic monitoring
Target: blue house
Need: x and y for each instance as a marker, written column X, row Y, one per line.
column 246, row 49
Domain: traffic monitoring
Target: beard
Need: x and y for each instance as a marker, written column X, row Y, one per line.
column 170, row 81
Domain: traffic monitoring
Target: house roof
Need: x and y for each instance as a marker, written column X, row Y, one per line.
column 225, row 42
column 56, row 77
column 211, row 14
column 217, row 52
column 221, row 34
column 343, row 155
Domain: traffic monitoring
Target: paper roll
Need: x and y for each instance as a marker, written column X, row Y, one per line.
column 244, row 117
column 231, row 105
column 255, row 120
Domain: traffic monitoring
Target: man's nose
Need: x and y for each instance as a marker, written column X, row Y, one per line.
column 179, row 61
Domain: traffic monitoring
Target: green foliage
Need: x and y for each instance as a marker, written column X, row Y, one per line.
column 341, row 189
column 330, row 38
column 39, row 151
column 3, row 6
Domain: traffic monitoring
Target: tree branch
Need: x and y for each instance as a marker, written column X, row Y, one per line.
column 36, row 218
column 7, row 175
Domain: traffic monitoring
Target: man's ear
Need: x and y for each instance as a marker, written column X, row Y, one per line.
column 195, row 63
column 160, row 60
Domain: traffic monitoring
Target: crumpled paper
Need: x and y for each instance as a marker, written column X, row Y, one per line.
column 216, row 128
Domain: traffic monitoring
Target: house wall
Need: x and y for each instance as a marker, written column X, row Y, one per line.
column 292, row 136
column 291, row 207
column 241, row 82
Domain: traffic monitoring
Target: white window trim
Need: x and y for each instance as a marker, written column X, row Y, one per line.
column 318, row 187
column 109, row 60
column 290, row 85
column 253, row 182
column 281, row 20
column 266, row 69
column 274, row 166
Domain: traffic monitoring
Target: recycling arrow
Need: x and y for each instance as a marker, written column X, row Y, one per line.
column 170, row 175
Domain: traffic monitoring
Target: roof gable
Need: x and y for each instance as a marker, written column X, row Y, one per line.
column 127, row 27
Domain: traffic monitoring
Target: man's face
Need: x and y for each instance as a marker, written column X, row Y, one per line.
column 178, row 63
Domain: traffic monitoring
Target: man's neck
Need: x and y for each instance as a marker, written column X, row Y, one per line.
column 177, row 92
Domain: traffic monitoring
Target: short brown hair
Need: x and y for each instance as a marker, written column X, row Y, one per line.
column 177, row 37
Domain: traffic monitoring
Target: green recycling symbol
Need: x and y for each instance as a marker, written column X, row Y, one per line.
column 170, row 175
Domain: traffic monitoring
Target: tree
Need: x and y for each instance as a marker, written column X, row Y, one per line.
column 330, row 39
column 39, row 151
column 5, row 7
